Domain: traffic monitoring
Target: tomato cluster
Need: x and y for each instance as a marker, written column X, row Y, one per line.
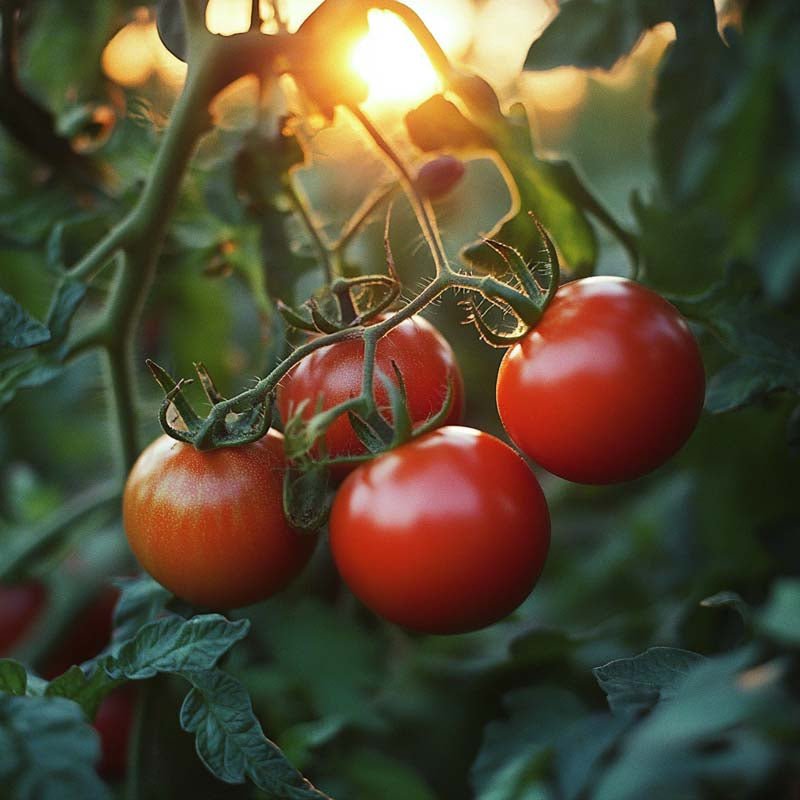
column 448, row 532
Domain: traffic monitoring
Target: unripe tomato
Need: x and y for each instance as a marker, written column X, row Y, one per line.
column 20, row 606
column 445, row 534
column 425, row 360
column 606, row 387
column 209, row 526
column 438, row 177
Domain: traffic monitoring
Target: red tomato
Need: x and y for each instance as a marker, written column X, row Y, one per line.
column 438, row 177
column 113, row 721
column 446, row 534
column 606, row 387
column 209, row 526
column 20, row 605
column 425, row 360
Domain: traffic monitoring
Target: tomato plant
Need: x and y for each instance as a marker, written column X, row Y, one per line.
column 445, row 534
column 606, row 387
column 333, row 374
column 210, row 526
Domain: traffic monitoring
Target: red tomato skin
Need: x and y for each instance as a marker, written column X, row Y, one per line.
column 20, row 606
column 209, row 526
column 445, row 534
column 607, row 387
column 425, row 360
column 114, row 721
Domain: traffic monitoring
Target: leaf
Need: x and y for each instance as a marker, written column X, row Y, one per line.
column 230, row 742
column 18, row 330
column 636, row 684
column 730, row 600
column 171, row 27
column 594, row 33
column 512, row 763
column 68, row 297
column 780, row 618
column 87, row 692
column 140, row 601
column 174, row 644
column 47, row 750
column 13, row 677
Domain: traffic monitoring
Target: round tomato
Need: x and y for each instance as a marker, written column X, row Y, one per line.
column 20, row 607
column 606, row 387
column 438, row 177
column 209, row 526
column 445, row 534
column 425, row 360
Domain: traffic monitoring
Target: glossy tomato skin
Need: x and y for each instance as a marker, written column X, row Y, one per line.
column 425, row 360
column 446, row 534
column 209, row 526
column 606, row 387
column 20, row 606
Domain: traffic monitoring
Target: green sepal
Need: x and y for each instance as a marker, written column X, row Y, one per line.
column 306, row 499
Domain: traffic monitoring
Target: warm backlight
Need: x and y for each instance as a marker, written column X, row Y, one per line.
column 393, row 64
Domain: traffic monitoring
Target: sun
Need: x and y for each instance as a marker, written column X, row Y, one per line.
column 394, row 66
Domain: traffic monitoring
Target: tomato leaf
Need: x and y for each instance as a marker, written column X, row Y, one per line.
column 19, row 330
column 230, row 742
column 174, row 644
column 13, row 677
column 140, row 602
column 779, row 620
column 87, row 692
column 635, row 684
column 48, row 750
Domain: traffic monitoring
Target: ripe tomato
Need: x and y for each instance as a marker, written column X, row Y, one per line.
column 425, row 360
column 606, row 387
column 20, row 605
column 438, row 177
column 446, row 534
column 209, row 526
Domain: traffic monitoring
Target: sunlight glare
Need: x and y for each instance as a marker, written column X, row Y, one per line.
column 393, row 64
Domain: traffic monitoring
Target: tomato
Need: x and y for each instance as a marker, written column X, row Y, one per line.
column 425, row 360
column 114, row 721
column 445, row 534
column 209, row 526
column 20, row 607
column 606, row 387
column 438, row 177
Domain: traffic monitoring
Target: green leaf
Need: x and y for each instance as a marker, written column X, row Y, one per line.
column 13, row 677
column 780, row 618
column 594, row 33
column 230, row 742
column 174, row 644
column 513, row 761
column 140, row 602
column 47, row 750
column 87, row 692
column 636, row 684
column 19, row 330
column 171, row 27
column 730, row 600
column 68, row 297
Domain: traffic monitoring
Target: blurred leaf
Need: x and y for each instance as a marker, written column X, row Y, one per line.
column 780, row 619
column 513, row 761
column 18, row 329
column 374, row 774
column 633, row 685
column 87, row 692
column 171, row 27
column 13, row 677
column 710, row 732
column 594, row 33
column 230, row 741
column 174, row 644
column 48, row 750
column 730, row 600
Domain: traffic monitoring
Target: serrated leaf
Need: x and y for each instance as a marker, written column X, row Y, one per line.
column 87, row 692
column 48, row 750
column 636, row 684
column 513, row 761
column 780, row 618
column 19, row 330
column 140, row 602
column 174, row 644
column 13, row 677
column 594, row 33
column 230, row 742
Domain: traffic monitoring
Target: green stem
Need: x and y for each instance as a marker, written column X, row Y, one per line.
column 310, row 225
